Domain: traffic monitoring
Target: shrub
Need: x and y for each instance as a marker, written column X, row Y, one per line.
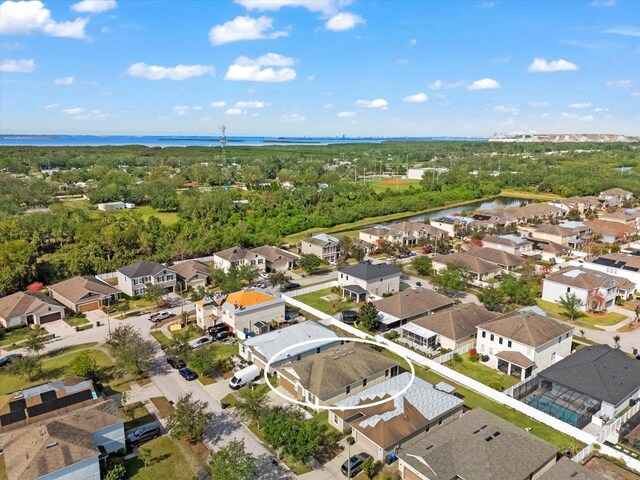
column 456, row 358
column 495, row 384
column 391, row 335
column 473, row 358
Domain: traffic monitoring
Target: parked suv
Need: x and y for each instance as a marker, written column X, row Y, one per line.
column 159, row 316
column 176, row 363
column 356, row 464
column 200, row 342
column 143, row 434
column 221, row 335
column 221, row 327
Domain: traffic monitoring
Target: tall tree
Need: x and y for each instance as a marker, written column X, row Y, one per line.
column 453, row 278
column 154, row 293
column 422, row 265
column 233, row 462
column 278, row 278
column 179, row 345
column 36, row 340
column 368, row 316
column 131, row 351
column 203, row 360
column 85, row 365
column 572, row 305
column 310, row 262
column 253, row 404
column 189, row 419
column 29, row 366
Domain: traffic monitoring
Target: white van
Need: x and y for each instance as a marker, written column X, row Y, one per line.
column 244, row 376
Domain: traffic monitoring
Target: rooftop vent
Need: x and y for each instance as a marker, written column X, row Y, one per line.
column 429, row 447
column 52, row 444
column 488, row 439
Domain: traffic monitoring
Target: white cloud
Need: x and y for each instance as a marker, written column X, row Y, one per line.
column 619, row 83
column 346, row 114
column 512, row 109
column 439, row 84
column 251, row 104
column 413, row 42
column 94, row 6
column 311, row 78
column 587, row 118
column 580, row 106
column 179, row 72
column 485, row 84
column 573, row 116
column 344, row 21
column 258, row 74
column 18, row 66
column 235, row 111
column 539, row 104
column 218, row 104
column 52, row 106
column 377, row 103
column 323, row 6
column 244, row 28
column 601, row 110
column 79, row 113
column 181, row 109
column 625, row 30
column 540, row 65
column 328, row 106
column 27, row 17
column 64, row 81
column 267, row 60
column 73, row 111
column 293, row 117
column 197, row 108
column 416, row 98
column 635, row 94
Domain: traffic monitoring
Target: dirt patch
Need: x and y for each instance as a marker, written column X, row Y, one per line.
column 609, row 470
column 391, row 181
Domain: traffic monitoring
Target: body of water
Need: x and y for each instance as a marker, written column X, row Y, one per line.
column 198, row 141
column 498, row 202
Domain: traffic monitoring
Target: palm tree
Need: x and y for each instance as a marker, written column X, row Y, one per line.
column 572, row 305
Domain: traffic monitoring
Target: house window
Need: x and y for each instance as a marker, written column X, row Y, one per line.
column 298, row 357
column 318, row 350
column 311, row 397
column 169, row 278
column 348, row 390
column 509, row 343
column 500, row 340
column 335, row 418
column 568, row 289
column 386, row 373
column 364, row 382
column 484, row 334
column 559, row 339
column 491, row 338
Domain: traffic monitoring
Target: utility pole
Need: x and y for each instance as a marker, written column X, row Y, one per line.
column 223, row 143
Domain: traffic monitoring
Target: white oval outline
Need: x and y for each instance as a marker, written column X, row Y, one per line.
column 329, row 407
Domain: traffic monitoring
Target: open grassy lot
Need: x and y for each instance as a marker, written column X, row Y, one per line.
column 163, row 406
column 315, row 300
column 481, row 373
column 15, row 336
column 169, row 460
column 587, row 320
column 145, row 211
column 76, row 321
column 395, row 184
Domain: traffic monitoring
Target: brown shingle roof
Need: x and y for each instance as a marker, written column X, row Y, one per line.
column 518, row 358
column 474, row 264
column 274, row 254
column 76, row 288
column 615, row 191
column 22, row 303
column 499, row 257
column 236, row 253
column 555, row 230
column 528, row 328
column 582, row 278
column 189, row 269
column 458, row 322
column 411, row 303
column 567, row 469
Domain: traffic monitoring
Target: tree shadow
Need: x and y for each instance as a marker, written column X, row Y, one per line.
column 222, row 425
column 269, row 468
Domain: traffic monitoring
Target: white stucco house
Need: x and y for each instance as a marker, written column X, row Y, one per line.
column 133, row 279
column 29, row 308
column 508, row 243
column 239, row 256
column 358, row 280
column 617, row 264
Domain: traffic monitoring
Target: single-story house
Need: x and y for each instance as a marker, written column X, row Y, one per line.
column 383, row 429
column 69, row 446
column 566, row 469
column 134, row 278
column 477, row 446
column 626, row 216
column 593, row 383
column 262, row 348
column 277, row 259
column 523, row 342
column 335, row 373
column 615, row 196
column 509, row 243
column 405, row 306
column 505, row 260
column 366, row 277
column 322, row 245
column 191, row 274
column 29, row 308
column 619, row 264
column 105, row 207
column 82, row 294
column 451, row 328
column 238, row 256
column 480, row 269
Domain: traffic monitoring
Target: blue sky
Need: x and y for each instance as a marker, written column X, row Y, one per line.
column 319, row 67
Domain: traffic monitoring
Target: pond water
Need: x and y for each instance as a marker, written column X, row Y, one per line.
column 498, row 202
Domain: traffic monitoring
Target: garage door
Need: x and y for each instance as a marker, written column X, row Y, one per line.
column 288, row 386
column 89, row 306
column 50, row 318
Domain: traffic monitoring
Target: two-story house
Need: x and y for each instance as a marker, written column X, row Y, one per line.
column 522, row 342
column 512, row 244
column 366, row 277
column 615, row 196
column 406, row 234
column 321, row 245
column 557, row 234
column 133, row 279
column 617, row 264
column 239, row 256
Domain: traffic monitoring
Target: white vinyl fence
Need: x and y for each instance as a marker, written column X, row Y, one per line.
column 445, row 357
column 312, row 288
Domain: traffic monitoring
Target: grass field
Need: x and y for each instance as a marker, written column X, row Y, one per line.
column 16, row 336
column 169, row 460
column 167, row 218
column 394, row 184
column 163, row 406
column 589, row 321
column 76, row 321
column 314, row 300
column 481, row 373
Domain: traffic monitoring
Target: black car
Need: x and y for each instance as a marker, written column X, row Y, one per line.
column 187, row 374
column 143, row 434
column 176, row 363
column 356, row 462
column 291, row 286
column 4, row 361
column 216, row 337
column 221, row 327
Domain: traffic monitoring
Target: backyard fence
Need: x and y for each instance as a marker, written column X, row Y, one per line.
column 106, row 276
column 312, row 288
column 615, row 426
column 445, row 357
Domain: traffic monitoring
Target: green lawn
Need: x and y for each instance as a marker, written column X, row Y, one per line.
column 168, row 461
column 161, row 338
column 16, row 336
column 76, row 321
column 58, row 367
column 136, row 415
column 314, row 300
column 167, row 218
column 380, row 187
column 587, row 320
column 481, row 373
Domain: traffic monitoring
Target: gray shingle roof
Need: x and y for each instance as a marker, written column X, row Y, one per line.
column 142, row 269
column 411, row 303
column 21, row 303
column 600, row 371
column 368, row 271
column 567, row 469
column 527, row 327
column 458, row 322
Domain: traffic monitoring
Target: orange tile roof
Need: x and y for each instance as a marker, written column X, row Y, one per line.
column 248, row 298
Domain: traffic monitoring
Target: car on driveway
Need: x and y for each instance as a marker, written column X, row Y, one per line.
column 290, row 286
column 4, row 361
column 356, row 462
column 160, row 316
column 187, row 374
column 264, row 275
column 221, row 327
column 143, row 434
column 176, row 363
column 200, row 342
column 221, row 335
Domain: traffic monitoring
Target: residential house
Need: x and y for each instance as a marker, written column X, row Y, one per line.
column 549, row 251
column 366, row 277
column 83, row 294
column 566, row 469
column 383, row 429
column 405, row 306
column 246, row 313
column 578, row 204
column 277, row 259
column 29, row 308
column 321, row 245
column 582, row 228
column 69, row 446
column 133, row 279
column 557, row 234
column 523, row 342
column 407, row 234
column 451, row 224
column 598, row 382
column 619, row 264
column 261, row 349
column 485, row 221
column 450, row 329
column 505, row 260
column 512, row 244
column 106, row 207
column 533, row 212
column 596, row 290
column 610, row 232
column 627, row 216
column 480, row 269
column 335, row 373
column 615, row 196
column 191, row 274
column 239, row 256
column 477, row 446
